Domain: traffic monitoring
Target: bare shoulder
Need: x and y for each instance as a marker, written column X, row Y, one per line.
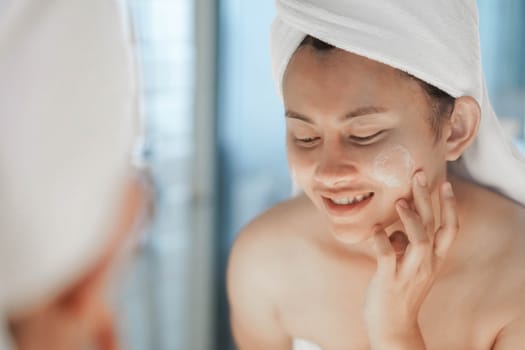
column 501, row 220
column 491, row 252
column 258, row 271
column 263, row 245
column 498, row 237
column 493, row 213
column 506, row 224
column 508, row 227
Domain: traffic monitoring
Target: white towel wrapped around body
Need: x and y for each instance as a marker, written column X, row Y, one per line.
column 435, row 41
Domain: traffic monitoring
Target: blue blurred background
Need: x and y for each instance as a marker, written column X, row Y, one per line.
column 215, row 148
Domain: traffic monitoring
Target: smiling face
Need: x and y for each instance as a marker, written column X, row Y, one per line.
column 357, row 131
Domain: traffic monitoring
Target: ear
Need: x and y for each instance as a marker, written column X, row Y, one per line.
column 462, row 127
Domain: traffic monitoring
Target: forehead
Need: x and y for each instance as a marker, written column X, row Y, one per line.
column 336, row 76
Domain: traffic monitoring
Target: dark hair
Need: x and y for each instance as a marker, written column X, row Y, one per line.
column 441, row 103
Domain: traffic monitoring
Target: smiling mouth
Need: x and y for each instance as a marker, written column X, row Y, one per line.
column 342, row 206
column 351, row 200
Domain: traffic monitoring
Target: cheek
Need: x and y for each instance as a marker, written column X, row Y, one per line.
column 393, row 167
column 300, row 164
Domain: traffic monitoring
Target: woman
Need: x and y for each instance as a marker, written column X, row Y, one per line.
column 396, row 241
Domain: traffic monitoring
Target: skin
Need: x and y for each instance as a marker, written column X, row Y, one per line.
column 393, row 167
column 417, row 267
column 80, row 317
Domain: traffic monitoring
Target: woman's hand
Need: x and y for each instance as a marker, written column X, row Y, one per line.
column 402, row 281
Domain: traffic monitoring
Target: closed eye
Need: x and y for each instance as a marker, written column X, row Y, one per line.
column 364, row 139
column 307, row 141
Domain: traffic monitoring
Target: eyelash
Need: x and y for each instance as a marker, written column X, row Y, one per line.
column 306, row 142
column 307, row 139
column 366, row 138
column 358, row 139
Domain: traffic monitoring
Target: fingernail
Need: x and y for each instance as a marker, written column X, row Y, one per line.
column 447, row 190
column 402, row 203
column 421, row 179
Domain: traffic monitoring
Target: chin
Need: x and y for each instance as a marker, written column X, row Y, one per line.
column 351, row 234
column 359, row 232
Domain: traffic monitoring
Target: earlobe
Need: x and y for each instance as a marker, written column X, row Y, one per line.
column 462, row 126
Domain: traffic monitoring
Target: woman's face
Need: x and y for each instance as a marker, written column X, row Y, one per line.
column 357, row 132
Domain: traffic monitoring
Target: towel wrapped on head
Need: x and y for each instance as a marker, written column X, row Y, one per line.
column 435, row 41
column 67, row 125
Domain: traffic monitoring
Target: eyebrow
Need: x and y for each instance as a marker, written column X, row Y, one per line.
column 358, row 112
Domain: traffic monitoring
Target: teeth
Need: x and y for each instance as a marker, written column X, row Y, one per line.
column 341, row 201
column 356, row 199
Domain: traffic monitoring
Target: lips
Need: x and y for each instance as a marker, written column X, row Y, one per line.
column 344, row 206
column 350, row 200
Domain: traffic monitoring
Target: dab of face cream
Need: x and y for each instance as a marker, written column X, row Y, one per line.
column 393, row 166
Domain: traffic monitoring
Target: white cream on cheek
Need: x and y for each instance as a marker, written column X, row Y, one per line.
column 393, row 167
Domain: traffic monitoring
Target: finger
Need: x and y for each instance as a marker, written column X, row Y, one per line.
column 449, row 222
column 419, row 247
column 413, row 224
column 423, row 202
column 386, row 256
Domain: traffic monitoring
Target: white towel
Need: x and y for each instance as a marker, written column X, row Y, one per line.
column 436, row 41
column 301, row 344
column 67, row 124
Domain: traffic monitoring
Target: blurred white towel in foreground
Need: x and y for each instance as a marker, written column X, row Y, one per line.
column 67, row 124
column 300, row 344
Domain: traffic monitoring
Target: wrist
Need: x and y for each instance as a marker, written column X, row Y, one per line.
column 398, row 338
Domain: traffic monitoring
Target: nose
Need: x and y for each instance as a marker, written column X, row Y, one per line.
column 336, row 167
